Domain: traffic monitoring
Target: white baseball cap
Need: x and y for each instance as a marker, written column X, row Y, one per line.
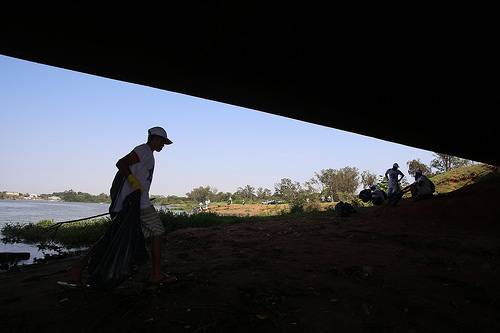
column 160, row 132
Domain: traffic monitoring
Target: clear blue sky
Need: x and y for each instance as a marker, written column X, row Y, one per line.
column 65, row 130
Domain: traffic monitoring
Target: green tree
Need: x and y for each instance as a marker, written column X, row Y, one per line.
column 312, row 189
column 368, row 179
column 202, row 193
column 247, row 192
column 222, row 196
column 346, row 180
column 263, row 193
column 333, row 181
column 72, row 196
column 287, row 190
column 325, row 179
column 443, row 163
column 415, row 165
column 382, row 183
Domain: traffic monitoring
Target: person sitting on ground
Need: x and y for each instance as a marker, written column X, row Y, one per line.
column 378, row 196
column 423, row 187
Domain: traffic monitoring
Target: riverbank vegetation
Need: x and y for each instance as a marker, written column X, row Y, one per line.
column 295, row 200
column 85, row 233
column 326, row 185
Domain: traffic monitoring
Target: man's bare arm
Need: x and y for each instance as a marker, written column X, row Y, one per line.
column 124, row 163
column 402, row 175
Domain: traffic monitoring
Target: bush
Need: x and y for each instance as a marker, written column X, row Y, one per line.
column 312, row 207
column 173, row 221
column 296, row 208
column 346, row 197
column 82, row 233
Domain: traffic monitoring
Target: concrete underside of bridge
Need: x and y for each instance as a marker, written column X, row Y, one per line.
column 401, row 87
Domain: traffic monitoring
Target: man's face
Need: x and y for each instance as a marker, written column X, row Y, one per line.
column 158, row 142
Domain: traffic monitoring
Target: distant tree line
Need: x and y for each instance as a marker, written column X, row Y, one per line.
column 440, row 164
column 68, row 195
column 325, row 185
column 74, row 196
column 328, row 183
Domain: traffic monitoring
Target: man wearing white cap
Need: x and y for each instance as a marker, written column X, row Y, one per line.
column 138, row 167
column 392, row 176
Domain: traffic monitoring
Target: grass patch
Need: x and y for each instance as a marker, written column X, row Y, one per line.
column 85, row 233
column 173, row 221
column 463, row 176
column 76, row 234
column 185, row 206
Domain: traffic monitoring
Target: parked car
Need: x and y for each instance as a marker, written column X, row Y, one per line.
column 269, row 202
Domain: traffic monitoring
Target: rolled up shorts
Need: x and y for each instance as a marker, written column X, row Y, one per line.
column 393, row 188
column 151, row 223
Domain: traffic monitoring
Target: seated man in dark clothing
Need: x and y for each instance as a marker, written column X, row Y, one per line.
column 378, row 196
column 423, row 187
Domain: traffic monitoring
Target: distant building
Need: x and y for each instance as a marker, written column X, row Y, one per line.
column 54, row 198
column 15, row 194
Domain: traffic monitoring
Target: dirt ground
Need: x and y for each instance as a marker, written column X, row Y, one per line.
column 428, row 266
column 257, row 209
column 248, row 209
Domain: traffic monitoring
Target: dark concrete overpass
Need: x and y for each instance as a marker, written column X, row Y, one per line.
column 405, row 85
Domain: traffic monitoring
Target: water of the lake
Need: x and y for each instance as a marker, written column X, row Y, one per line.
column 32, row 211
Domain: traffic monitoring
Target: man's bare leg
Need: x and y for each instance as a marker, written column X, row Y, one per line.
column 155, row 258
column 156, row 275
column 76, row 271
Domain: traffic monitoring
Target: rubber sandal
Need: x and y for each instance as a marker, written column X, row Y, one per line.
column 70, row 285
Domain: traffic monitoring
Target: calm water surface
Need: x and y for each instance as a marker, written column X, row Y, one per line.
column 32, row 211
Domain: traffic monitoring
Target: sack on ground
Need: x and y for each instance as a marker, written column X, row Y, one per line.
column 344, row 209
column 365, row 195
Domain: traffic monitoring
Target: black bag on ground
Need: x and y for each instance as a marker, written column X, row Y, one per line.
column 344, row 209
column 365, row 195
column 120, row 249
